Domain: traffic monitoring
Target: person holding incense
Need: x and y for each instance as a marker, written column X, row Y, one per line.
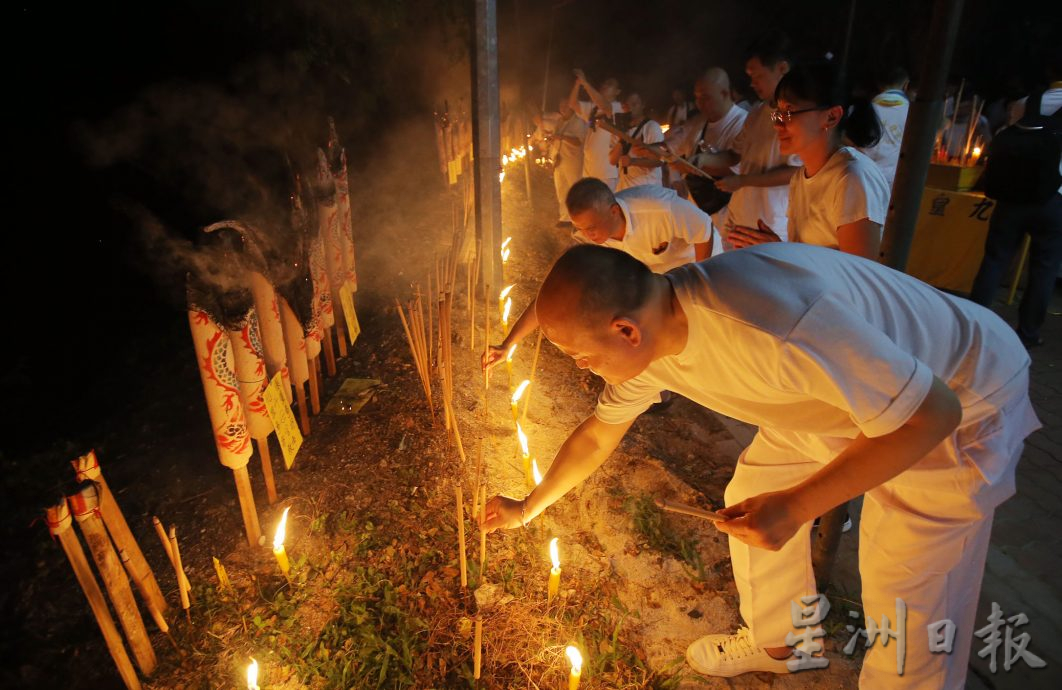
column 839, row 198
column 635, row 166
column 565, row 147
column 861, row 379
column 652, row 223
column 598, row 143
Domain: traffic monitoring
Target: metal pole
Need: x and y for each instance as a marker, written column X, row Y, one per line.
column 486, row 139
column 922, row 123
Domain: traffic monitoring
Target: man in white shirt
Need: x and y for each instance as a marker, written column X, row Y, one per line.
column 715, row 129
column 891, row 106
column 565, row 149
column 598, row 142
column 636, row 166
column 649, row 222
column 761, row 188
column 862, row 380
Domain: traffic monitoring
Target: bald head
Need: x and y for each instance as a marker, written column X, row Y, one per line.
column 589, row 193
column 712, row 94
column 588, row 287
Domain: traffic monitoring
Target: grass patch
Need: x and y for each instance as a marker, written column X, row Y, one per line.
column 658, row 534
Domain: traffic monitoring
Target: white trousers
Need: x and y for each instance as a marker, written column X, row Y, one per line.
column 564, row 176
column 923, row 539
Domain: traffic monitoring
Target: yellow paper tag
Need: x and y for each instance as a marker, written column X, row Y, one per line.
column 353, row 327
column 287, row 429
column 452, row 170
column 223, row 577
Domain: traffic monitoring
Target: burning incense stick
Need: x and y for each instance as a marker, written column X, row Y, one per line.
column 681, row 508
column 59, row 520
column 84, row 505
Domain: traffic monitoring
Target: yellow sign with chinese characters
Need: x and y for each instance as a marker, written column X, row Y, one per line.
column 287, row 429
column 353, row 327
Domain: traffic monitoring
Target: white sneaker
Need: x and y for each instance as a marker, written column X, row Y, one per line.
column 731, row 655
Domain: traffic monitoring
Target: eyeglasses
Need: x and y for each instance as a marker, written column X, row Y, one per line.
column 783, row 117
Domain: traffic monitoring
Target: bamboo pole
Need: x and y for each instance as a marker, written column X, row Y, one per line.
column 59, row 520
column 267, row 468
column 477, row 655
column 482, row 533
column 88, row 469
column 247, row 507
column 182, row 579
column 330, row 353
column 186, row 602
column 461, row 536
column 85, row 507
column 160, row 620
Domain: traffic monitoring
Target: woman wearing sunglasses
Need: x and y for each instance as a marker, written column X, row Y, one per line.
column 839, row 198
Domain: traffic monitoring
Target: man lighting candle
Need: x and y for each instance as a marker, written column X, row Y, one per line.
column 862, row 380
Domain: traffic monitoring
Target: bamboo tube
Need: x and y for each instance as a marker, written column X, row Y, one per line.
column 182, row 582
column 88, row 469
column 247, row 508
column 267, row 469
column 315, row 393
column 298, row 369
column 331, row 236
column 531, row 378
column 186, row 602
column 85, row 507
column 477, row 655
column 461, row 536
column 59, row 520
column 274, row 351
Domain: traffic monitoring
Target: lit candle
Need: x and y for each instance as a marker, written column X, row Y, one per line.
column 515, row 400
column 501, row 176
column 529, row 480
column 554, row 573
column 505, row 312
column 976, row 154
column 504, row 295
column 535, row 473
column 577, row 667
column 505, row 159
column 278, row 545
column 252, row 675
column 509, row 363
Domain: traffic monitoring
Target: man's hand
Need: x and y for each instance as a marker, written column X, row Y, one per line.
column 501, row 512
column 766, row 521
column 580, row 77
column 730, row 183
column 624, row 161
column 742, row 236
column 493, row 355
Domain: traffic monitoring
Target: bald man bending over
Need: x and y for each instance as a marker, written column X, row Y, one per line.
column 860, row 379
column 649, row 222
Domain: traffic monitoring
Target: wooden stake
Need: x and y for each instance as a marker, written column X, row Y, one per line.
column 330, row 354
column 84, row 505
column 461, row 536
column 59, row 521
column 315, row 394
column 186, row 602
column 267, row 469
column 88, row 469
column 531, row 378
column 247, row 507
column 477, row 655
column 182, row 582
column 304, row 414
column 159, row 619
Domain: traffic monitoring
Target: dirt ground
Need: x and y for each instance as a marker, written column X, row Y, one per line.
column 375, row 599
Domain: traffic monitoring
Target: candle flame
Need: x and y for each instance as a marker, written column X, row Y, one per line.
column 507, row 309
column 505, row 255
column 523, row 439
column 509, row 354
column 520, row 389
column 535, row 472
column 505, row 159
column 505, row 243
column 665, row 128
column 576, row 658
column 252, row 675
column 505, row 292
column 278, row 538
column 554, row 555
column 501, row 176
column 977, row 150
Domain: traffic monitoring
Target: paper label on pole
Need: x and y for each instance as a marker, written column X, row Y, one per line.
column 284, row 423
column 452, row 170
column 353, row 327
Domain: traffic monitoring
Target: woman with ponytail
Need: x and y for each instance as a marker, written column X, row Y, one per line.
column 839, row 198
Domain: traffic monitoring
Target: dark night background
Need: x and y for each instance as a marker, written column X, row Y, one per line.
column 129, row 123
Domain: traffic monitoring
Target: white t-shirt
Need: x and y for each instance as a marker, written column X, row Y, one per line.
column 847, row 189
column 891, row 108
column 815, row 347
column 564, row 153
column 661, row 227
column 650, row 133
column 597, row 145
column 758, row 146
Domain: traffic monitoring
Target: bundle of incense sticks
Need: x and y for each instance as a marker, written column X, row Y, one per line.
column 412, row 316
column 445, row 282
